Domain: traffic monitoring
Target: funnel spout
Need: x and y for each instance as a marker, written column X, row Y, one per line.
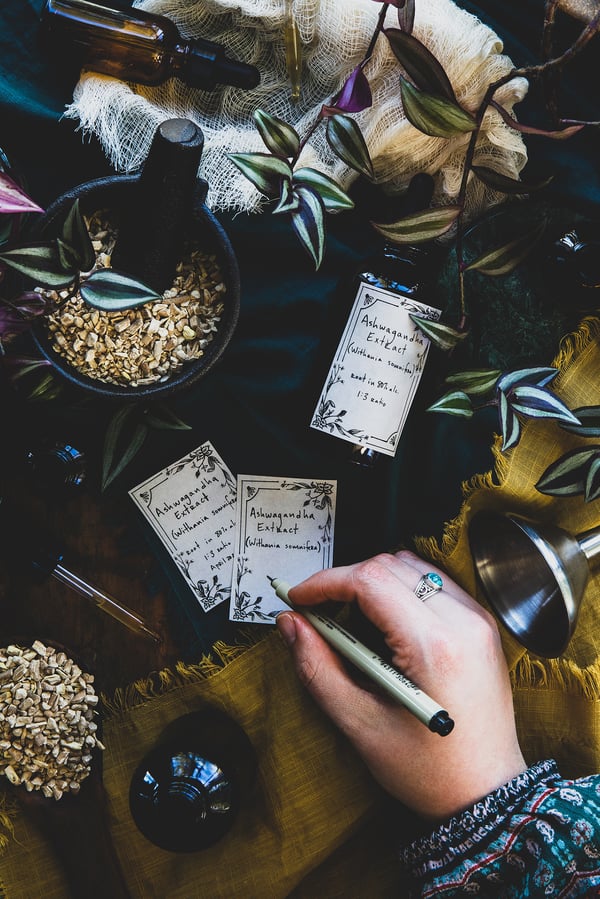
column 589, row 541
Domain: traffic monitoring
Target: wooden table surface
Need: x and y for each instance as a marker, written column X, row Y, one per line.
column 101, row 546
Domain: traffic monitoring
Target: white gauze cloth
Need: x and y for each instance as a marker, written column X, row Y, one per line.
column 335, row 36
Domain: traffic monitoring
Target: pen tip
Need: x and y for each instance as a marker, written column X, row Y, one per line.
column 270, row 578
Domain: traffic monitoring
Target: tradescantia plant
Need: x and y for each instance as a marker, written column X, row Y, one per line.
column 431, row 106
column 66, row 261
column 577, row 472
column 518, row 394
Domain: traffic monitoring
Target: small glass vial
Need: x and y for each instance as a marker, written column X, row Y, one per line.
column 56, row 465
column 135, row 45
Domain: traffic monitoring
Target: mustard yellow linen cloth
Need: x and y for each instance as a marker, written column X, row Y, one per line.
column 316, row 828
column 313, row 796
column 557, row 701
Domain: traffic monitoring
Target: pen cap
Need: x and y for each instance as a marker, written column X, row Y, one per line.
column 24, row 546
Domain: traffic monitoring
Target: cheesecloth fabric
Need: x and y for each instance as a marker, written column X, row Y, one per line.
column 335, row 35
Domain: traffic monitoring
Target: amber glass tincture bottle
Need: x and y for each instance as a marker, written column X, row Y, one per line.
column 380, row 357
column 135, row 45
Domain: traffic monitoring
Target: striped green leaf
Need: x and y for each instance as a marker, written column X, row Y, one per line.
column 279, row 137
column 308, row 222
column 453, row 403
column 112, row 291
column 345, row 138
column 503, row 259
column 509, row 424
column 334, row 198
column 432, row 114
column 536, row 402
column 75, row 235
column 498, row 181
column 568, row 475
column 475, row 383
column 445, row 337
column 421, row 226
column 40, row 262
column 420, row 64
column 266, row 172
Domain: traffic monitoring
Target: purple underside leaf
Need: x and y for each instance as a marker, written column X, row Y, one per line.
column 536, row 402
column 354, row 96
column 13, row 199
column 556, row 134
column 567, row 476
column 420, row 64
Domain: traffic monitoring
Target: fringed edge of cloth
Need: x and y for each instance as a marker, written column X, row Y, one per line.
column 532, row 673
column 139, row 691
column 529, row 672
column 160, row 682
column 437, row 551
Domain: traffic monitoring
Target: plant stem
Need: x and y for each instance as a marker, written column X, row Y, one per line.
column 529, row 72
column 369, row 52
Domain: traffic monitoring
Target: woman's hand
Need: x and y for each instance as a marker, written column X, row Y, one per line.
column 450, row 647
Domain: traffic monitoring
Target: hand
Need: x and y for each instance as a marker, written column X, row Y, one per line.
column 450, row 647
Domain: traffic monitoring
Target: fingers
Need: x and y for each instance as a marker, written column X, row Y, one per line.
column 379, row 586
column 323, row 673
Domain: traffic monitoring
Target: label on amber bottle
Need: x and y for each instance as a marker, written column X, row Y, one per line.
column 376, row 370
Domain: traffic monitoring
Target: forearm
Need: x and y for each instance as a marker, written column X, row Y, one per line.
column 538, row 835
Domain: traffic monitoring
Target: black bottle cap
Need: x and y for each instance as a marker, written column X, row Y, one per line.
column 207, row 66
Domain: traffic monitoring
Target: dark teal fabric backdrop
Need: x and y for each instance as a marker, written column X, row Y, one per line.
column 256, row 404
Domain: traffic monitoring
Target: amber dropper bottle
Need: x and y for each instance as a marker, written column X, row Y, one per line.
column 137, row 46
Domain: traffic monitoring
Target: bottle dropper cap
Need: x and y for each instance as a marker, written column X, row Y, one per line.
column 207, row 65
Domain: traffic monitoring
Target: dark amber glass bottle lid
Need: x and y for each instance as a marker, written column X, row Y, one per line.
column 186, row 793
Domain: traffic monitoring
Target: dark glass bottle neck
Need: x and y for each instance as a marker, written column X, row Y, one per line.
column 397, row 267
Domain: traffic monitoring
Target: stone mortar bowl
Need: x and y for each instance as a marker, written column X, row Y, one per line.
column 113, row 193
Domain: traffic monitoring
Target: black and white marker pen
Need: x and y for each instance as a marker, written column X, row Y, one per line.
column 392, row 681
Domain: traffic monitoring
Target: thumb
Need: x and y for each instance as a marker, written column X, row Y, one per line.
column 323, row 673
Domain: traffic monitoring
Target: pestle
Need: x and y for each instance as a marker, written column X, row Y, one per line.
column 154, row 225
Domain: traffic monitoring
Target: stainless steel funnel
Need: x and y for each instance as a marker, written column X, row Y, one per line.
column 533, row 575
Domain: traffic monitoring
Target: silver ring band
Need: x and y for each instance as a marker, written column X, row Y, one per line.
column 429, row 584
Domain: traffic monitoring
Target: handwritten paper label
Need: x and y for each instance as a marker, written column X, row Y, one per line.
column 284, row 528
column 375, row 371
column 191, row 506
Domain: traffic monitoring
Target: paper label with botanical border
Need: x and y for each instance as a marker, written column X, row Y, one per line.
column 191, row 506
column 284, row 529
column 376, row 370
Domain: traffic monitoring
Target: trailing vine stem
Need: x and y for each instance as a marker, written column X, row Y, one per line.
column 368, row 53
column 529, row 72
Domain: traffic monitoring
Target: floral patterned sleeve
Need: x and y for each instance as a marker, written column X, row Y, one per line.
column 538, row 835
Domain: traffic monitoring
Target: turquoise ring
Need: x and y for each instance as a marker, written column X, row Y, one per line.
column 429, row 584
